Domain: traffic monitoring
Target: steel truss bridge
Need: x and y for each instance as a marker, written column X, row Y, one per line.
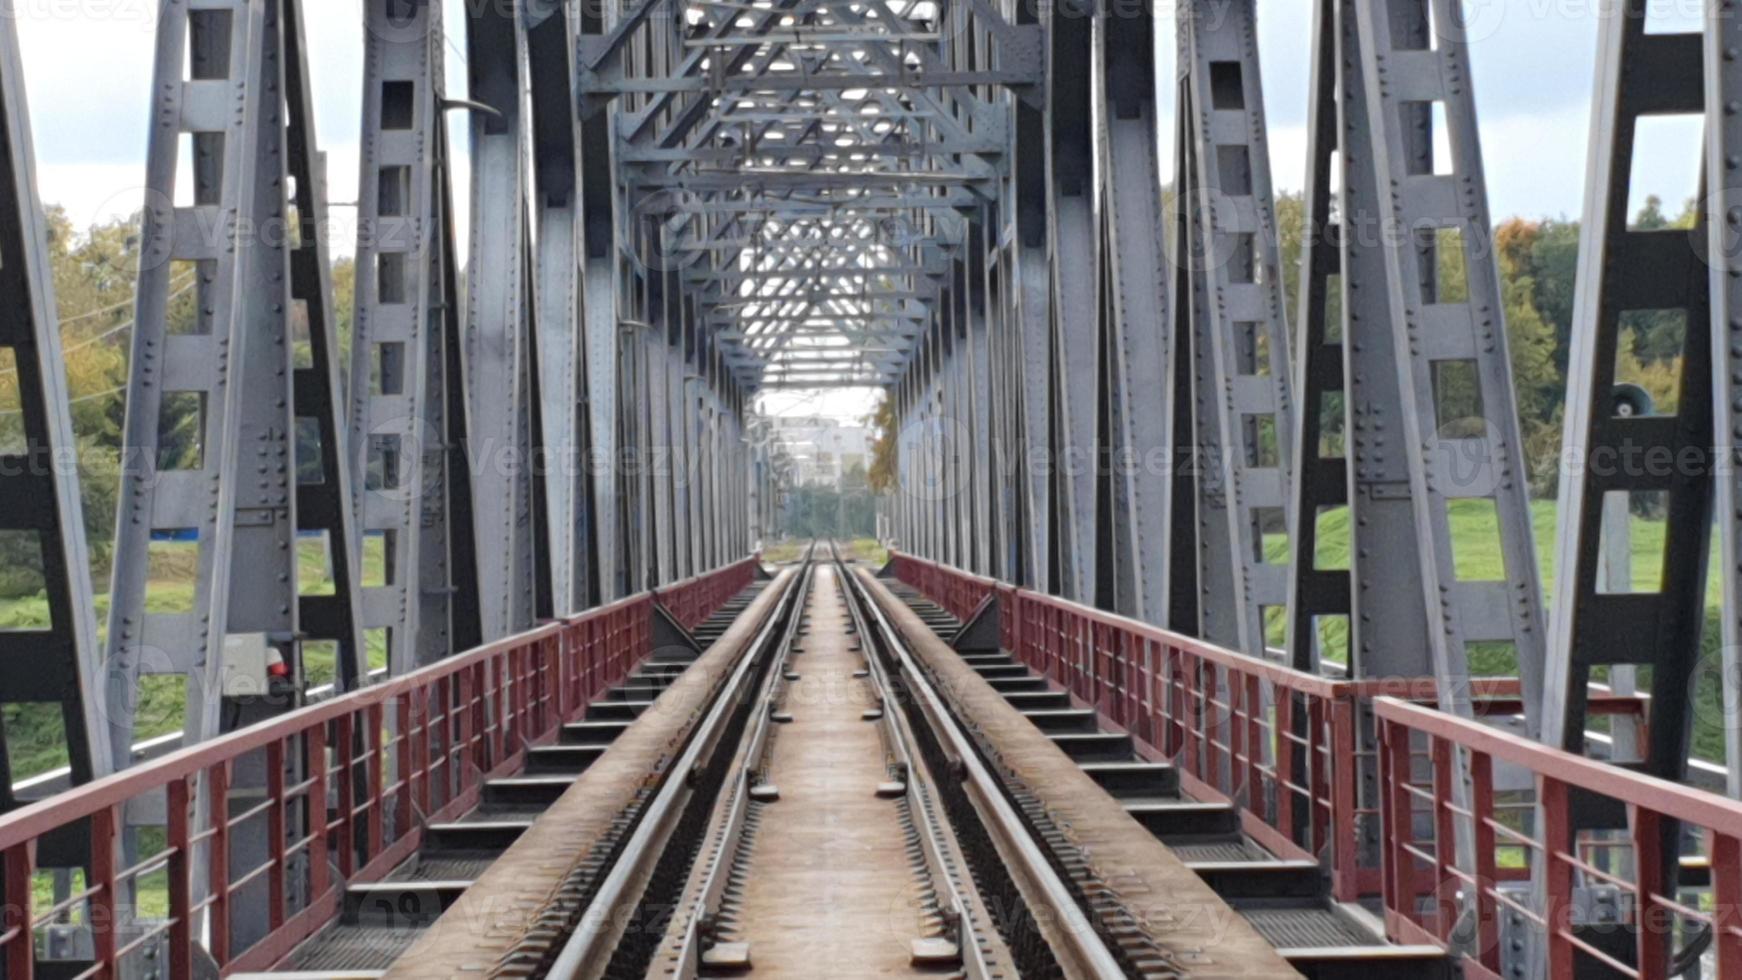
column 1104, row 409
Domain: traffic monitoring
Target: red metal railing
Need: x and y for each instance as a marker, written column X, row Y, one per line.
column 693, row 600
column 1447, row 853
column 1282, row 745
column 373, row 766
column 960, row 593
column 1278, row 743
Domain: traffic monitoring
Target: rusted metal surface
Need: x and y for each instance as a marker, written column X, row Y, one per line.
column 380, row 763
column 1430, row 885
column 1165, row 899
column 499, row 914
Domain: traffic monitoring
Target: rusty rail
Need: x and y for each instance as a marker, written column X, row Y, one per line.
column 1277, row 742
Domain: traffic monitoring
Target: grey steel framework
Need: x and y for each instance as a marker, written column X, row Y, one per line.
column 1606, row 618
column 679, row 204
column 54, row 669
column 1406, row 382
column 1456, row 395
column 1346, row 372
column 251, row 360
column 324, row 479
column 1602, row 621
column 407, row 419
column 207, row 114
column 1239, row 329
column 498, row 322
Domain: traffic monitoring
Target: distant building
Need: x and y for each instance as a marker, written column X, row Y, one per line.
column 822, row 450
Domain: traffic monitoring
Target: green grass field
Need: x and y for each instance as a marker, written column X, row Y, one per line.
column 867, row 550
column 782, row 551
column 1476, row 553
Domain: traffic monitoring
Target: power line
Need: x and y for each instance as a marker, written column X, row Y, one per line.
column 117, row 328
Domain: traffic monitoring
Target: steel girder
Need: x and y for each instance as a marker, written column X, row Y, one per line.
column 1133, row 343
column 1243, row 410
column 1723, row 79
column 1348, row 362
column 1674, row 459
column 232, row 79
column 1410, row 68
column 1073, row 262
column 561, row 467
column 1601, row 619
column 600, row 258
column 55, row 667
column 207, row 88
column 408, row 415
column 323, row 495
column 725, row 213
column 498, row 324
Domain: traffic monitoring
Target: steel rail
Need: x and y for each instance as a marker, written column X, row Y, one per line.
column 749, row 759
column 965, row 917
column 1073, row 937
column 899, row 737
column 588, row 950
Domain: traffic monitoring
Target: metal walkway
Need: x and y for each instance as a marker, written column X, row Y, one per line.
column 380, row 920
column 1287, row 900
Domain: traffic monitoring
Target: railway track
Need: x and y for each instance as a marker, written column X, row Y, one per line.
column 833, row 820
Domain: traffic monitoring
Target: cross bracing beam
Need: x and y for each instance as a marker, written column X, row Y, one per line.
column 644, row 159
column 753, row 180
column 787, row 81
column 774, row 321
column 756, row 200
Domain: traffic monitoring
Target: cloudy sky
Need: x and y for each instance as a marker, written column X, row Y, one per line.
column 88, row 63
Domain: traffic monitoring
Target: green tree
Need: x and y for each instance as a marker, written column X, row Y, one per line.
column 883, row 475
column 1536, row 382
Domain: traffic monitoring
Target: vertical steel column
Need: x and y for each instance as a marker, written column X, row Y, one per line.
column 1723, row 78
column 56, row 667
column 1072, row 258
column 1135, row 267
column 599, row 327
column 408, row 445
column 660, row 397
column 1348, row 366
column 550, row 48
column 1602, row 620
column 982, row 459
column 206, row 88
column 498, row 321
column 1456, row 386
column 1241, row 342
column 1189, row 511
column 1623, row 269
column 1031, row 305
column 323, row 492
